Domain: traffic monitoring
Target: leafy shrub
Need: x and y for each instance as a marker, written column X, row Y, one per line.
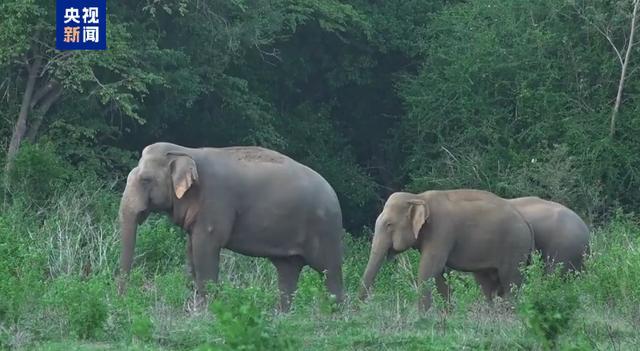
column 22, row 269
column 612, row 273
column 242, row 320
column 547, row 302
column 355, row 260
column 81, row 302
column 172, row 287
column 130, row 311
column 463, row 289
column 142, row 327
column 310, row 288
column 160, row 245
column 37, row 173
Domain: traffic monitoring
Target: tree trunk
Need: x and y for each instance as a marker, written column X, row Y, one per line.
column 623, row 73
column 49, row 99
column 20, row 127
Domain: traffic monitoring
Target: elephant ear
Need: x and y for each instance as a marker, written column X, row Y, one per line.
column 418, row 212
column 184, row 173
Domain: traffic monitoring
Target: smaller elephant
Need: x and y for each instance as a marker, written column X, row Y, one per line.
column 467, row 230
column 560, row 234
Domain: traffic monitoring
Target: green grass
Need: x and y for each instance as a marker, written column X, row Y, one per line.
column 57, row 292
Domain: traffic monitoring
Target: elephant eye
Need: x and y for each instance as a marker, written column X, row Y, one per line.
column 145, row 180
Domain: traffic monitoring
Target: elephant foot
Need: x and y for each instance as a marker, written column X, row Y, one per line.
column 196, row 304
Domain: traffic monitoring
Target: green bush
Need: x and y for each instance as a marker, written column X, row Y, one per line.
column 547, row 302
column 37, row 173
column 142, row 327
column 612, row 274
column 243, row 322
column 172, row 287
column 130, row 312
column 22, row 269
column 82, row 303
column 160, row 245
column 463, row 289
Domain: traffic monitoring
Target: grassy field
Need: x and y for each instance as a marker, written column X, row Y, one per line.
column 57, row 293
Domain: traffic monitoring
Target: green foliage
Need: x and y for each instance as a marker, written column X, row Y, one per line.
column 377, row 96
column 548, row 302
column 142, row 327
column 463, row 289
column 18, row 21
column 504, row 83
column 243, row 323
column 78, row 232
column 160, row 245
column 310, row 289
column 22, row 269
column 37, row 173
column 611, row 272
column 82, row 310
column 81, row 302
column 172, row 287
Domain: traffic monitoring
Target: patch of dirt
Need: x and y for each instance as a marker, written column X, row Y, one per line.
column 255, row 154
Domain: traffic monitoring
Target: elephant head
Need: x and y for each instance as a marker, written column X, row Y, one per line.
column 397, row 229
column 162, row 177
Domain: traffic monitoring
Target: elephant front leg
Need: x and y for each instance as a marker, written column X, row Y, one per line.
column 190, row 267
column 431, row 265
column 206, row 261
column 443, row 288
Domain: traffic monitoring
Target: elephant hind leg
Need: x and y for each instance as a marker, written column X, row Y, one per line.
column 489, row 283
column 288, row 273
column 332, row 274
column 333, row 281
column 507, row 277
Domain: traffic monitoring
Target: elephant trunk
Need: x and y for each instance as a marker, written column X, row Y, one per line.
column 128, row 228
column 379, row 250
column 132, row 212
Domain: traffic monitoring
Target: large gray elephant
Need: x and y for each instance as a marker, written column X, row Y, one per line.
column 560, row 234
column 466, row 230
column 251, row 200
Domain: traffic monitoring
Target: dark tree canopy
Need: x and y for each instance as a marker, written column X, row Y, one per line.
column 378, row 96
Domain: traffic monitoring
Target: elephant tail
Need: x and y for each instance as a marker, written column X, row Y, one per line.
column 532, row 244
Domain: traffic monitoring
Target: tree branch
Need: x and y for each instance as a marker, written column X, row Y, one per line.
column 618, row 54
column 40, row 93
column 623, row 71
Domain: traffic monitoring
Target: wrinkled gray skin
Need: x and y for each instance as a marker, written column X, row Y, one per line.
column 251, row 200
column 560, row 235
column 466, row 230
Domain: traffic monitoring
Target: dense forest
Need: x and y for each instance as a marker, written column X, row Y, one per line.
column 515, row 97
column 518, row 97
